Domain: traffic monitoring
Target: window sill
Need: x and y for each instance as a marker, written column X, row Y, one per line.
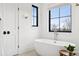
column 34, row 25
column 63, row 31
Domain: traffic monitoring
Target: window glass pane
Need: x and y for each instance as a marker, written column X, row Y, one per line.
column 34, row 11
column 65, row 10
column 54, row 22
column 54, row 12
column 34, row 20
column 34, row 16
column 65, row 24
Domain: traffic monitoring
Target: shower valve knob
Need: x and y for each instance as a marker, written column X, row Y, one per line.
column 4, row 32
column 8, row 32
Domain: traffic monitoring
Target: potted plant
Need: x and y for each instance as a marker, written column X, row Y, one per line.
column 70, row 49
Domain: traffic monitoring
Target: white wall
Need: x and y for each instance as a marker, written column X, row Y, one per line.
column 27, row 33
column 70, row 37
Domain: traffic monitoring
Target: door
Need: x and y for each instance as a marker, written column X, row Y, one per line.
column 1, row 11
column 9, row 26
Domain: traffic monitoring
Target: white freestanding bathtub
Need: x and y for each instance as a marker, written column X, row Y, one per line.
column 48, row 47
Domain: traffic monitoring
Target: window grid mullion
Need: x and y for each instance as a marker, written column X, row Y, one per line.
column 59, row 19
column 71, row 15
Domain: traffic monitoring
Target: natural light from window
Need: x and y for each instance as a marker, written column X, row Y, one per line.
column 61, row 18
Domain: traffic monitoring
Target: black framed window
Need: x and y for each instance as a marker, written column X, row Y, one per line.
column 60, row 17
column 34, row 16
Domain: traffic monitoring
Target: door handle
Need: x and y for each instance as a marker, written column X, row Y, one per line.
column 0, row 18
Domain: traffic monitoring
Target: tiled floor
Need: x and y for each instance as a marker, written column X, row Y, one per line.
column 34, row 53
column 30, row 53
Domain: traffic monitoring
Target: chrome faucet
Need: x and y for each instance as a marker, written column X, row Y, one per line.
column 55, row 33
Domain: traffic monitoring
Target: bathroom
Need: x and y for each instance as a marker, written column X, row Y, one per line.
column 18, row 36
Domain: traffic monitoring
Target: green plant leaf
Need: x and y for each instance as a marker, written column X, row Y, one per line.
column 70, row 48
